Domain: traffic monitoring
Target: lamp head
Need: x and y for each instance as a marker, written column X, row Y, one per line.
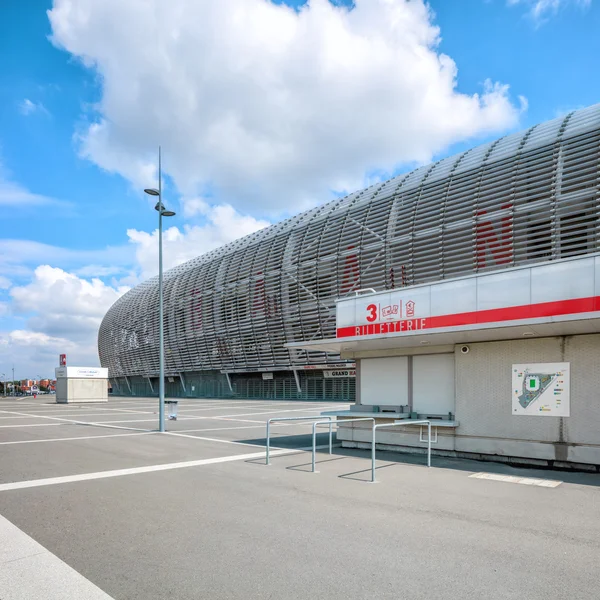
column 152, row 191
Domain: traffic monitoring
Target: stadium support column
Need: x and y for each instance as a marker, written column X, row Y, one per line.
column 297, row 378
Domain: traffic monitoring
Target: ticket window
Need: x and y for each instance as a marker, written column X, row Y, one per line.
column 433, row 384
column 384, row 381
column 424, row 384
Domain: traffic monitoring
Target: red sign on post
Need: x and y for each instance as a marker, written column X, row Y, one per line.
column 63, row 360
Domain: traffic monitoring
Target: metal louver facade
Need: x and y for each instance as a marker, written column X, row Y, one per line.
column 526, row 198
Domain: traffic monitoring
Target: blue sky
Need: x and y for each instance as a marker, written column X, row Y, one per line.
column 243, row 121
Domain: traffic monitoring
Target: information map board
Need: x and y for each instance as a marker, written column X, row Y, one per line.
column 541, row 389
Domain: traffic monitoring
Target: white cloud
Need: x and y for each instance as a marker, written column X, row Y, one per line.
column 62, row 303
column 18, row 258
column 16, row 195
column 63, row 314
column 27, row 107
column 13, row 194
column 23, row 337
column 265, row 106
column 223, row 224
column 100, row 271
column 541, row 10
column 4, row 282
column 33, row 353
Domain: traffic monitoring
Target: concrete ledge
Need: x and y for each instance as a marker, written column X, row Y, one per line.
column 83, row 401
column 397, row 437
column 387, row 416
column 30, row 572
column 510, row 460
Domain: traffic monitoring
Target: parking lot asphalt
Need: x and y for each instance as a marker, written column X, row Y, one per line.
column 95, row 504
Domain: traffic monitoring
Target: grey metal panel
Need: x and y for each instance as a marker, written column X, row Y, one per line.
column 563, row 281
column 500, row 290
column 529, row 197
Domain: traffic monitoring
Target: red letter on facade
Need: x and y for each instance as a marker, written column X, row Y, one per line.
column 487, row 238
column 351, row 274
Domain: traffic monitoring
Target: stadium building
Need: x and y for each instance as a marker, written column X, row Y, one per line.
column 486, row 263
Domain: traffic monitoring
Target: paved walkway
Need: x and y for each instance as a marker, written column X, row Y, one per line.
column 30, row 572
column 120, row 511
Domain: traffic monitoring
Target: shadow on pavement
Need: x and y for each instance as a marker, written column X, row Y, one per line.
column 439, row 462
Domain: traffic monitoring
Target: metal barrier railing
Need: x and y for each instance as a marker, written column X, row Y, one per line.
column 395, row 424
column 320, row 420
column 277, row 419
column 314, row 433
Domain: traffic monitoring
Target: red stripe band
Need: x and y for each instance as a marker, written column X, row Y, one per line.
column 512, row 313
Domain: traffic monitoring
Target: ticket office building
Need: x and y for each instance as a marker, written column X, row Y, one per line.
column 506, row 365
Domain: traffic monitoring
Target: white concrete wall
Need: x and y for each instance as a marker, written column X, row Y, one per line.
column 484, row 400
column 486, row 422
column 81, row 390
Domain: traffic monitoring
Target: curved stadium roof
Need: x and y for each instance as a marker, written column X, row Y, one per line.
column 534, row 195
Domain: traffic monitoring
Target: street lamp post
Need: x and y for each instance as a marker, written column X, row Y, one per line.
column 162, row 212
column 3, row 375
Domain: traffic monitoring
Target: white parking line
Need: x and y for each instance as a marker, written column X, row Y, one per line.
column 19, row 485
column 238, row 420
column 549, row 483
column 75, row 414
column 220, row 429
column 25, row 425
column 207, row 439
column 269, row 412
column 83, row 437
column 258, row 405
column 95, row 423
column 183, row 417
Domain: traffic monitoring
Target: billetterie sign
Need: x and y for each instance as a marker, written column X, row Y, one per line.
column 540, row 293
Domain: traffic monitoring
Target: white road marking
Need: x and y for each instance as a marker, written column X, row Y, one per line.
column 2, row 418
column 222, row 441
column 20, row 485
column 259, row 425
column 94, row 423
column 215, row 407
column 269, row 412
column 238, row 420
column 549, row 483
column 28, row 570
column 207, row 439
column 78, row 414
column 220, row 429
column 25, row 425
column 83, row 437
column 182, row 418
column 126, row 410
